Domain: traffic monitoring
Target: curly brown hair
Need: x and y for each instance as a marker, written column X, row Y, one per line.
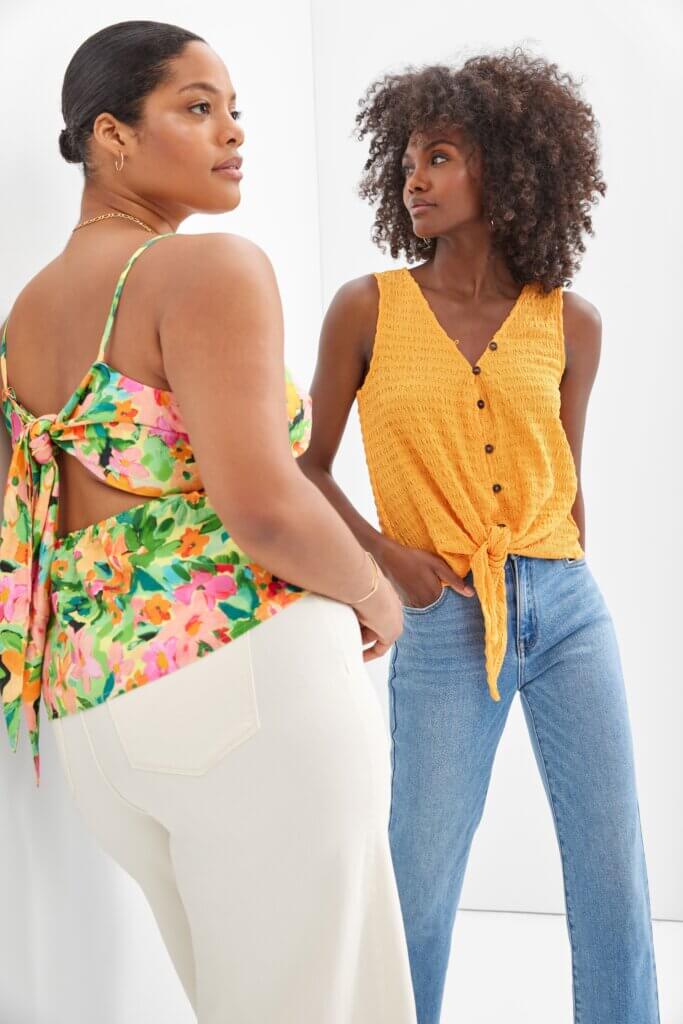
column 540, row 154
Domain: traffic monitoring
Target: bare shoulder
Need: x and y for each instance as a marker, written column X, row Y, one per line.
column 210, row 255
column 581, row 317
column 582, row 329
column 358, row 299
column 212, row 283
column 351, row 319
column 30, row 295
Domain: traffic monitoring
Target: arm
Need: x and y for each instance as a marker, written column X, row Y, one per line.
column 344, row 354
column 345, row 341
column 582, row 338
column 221, row 336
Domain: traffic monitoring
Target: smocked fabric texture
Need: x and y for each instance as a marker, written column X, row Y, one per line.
column 103, row 610
column 470, row 462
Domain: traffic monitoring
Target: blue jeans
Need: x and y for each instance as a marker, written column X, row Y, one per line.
column 562, row 656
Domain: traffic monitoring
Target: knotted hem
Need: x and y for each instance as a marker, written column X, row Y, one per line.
column 488, row 572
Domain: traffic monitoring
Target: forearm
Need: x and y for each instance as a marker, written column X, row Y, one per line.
column 304, row 541
column 366, row 534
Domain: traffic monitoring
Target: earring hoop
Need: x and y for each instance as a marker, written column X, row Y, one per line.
column 116, row 167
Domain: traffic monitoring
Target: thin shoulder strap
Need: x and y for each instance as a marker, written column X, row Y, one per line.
column 119, row 288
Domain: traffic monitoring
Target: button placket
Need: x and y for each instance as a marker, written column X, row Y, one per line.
column 496, row 488
column 481, row 404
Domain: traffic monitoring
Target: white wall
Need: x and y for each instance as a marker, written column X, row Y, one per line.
column 94, row 943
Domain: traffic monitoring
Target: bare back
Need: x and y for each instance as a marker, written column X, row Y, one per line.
column 53, row 333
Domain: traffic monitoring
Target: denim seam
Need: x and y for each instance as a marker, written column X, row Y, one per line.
column 392, row 710
column 519, row 645
column 649, row 915
column 553, row 799
column 428, row 607
column 532, row 607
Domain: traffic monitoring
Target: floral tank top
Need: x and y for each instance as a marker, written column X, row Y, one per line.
column 87, row 617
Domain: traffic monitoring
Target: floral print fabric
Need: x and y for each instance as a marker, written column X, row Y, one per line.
column 91, row 615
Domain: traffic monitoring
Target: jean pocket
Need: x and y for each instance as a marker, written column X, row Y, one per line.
column 187, row 721
column 571, row 562
column 428, row 607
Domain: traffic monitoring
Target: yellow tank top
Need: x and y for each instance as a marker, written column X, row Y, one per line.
column 470, row 462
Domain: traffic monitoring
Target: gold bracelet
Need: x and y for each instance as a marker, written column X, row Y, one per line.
column 376, row 580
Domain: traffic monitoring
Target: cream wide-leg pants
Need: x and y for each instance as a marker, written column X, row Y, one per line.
column 248, row 794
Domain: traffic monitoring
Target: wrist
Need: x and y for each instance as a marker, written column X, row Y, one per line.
column 379, row 547
column 373, row 586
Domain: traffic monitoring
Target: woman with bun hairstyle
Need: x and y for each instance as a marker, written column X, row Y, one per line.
column 190, row 606
column 472, row 372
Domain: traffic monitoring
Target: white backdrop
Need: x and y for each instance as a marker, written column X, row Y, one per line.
column 298, row 73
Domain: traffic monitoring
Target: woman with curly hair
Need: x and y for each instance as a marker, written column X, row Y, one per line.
column 472, row 373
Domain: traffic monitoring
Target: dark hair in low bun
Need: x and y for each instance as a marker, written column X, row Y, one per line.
column 67, row 148
column 114, row 70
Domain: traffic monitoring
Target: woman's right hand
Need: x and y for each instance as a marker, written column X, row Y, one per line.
column 408, row 576
column 380, row 617
column 417, row 575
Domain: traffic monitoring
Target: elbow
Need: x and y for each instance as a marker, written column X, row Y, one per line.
column 263, row 519
column 313, row 467
column 253, row 534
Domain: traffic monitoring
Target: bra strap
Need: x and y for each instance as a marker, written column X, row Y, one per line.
column 119, row 288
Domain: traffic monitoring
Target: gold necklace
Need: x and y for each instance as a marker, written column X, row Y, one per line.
column 103, row 216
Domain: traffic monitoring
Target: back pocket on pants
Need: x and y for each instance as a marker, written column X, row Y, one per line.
column 188, row 720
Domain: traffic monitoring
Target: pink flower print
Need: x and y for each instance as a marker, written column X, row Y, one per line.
column 41, row 447
column 127, row 463
column 193, row 624
column 216, row 588
column 13, row 600
column 119, row 665
column 165, row 429
column 220, row 587
column 94, row 587
column 160, row 658
column 85, row 666
column 17, row 426
column 185, row 592
column 130, row 385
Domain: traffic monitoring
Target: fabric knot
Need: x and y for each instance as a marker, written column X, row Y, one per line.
column 39, row 439
column 488, row 571
column 497, row 545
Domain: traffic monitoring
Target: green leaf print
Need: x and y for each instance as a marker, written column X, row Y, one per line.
column 145, row 582
column 10, row 638
column 158, row 459
column 211, row 523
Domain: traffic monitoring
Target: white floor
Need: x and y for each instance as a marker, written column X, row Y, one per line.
column 516, row 968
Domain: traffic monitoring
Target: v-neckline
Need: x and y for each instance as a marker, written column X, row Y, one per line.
column 454, row 343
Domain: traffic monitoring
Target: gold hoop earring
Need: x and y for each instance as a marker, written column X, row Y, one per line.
column 116, row 167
